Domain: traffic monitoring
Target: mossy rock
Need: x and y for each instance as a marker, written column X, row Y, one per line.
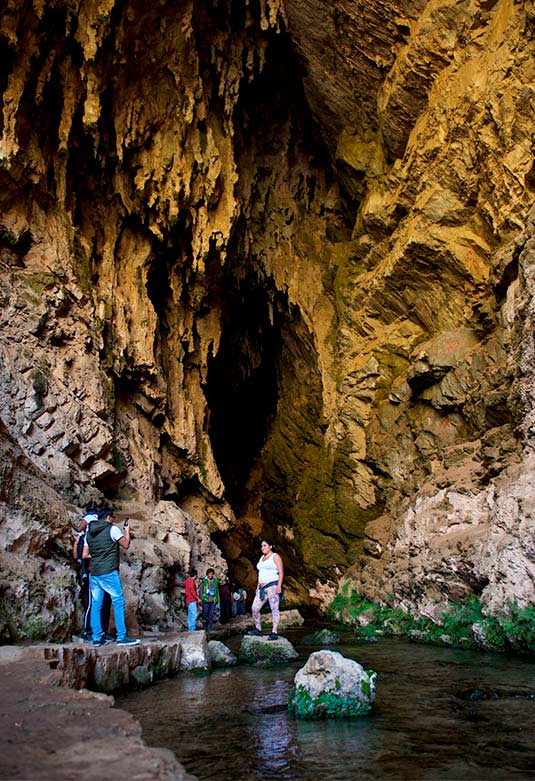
column 330, row 686
column 263, row 652
column 327, row 706
column 323, row 637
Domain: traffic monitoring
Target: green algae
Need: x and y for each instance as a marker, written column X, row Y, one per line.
column 513, row 630
column 34, row 628
column 327, row 706
column 365, row 688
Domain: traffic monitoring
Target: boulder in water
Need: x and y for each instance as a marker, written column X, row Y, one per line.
column 287, row 619
column 264, row 652
column 140, row 677
column 323, row 637
column 220, row 654
column 331, row 686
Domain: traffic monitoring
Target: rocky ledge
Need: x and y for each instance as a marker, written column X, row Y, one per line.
column 52, row 726
column 112, row 667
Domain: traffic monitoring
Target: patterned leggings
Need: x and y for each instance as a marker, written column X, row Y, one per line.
column 273, row 597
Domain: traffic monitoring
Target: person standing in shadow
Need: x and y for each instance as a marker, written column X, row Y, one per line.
column 84, row 569
column 209, row 598
column 225, row 600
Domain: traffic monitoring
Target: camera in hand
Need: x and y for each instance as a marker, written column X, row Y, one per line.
column 125, row 524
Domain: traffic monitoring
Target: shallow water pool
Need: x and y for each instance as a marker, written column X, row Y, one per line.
column 439, row 714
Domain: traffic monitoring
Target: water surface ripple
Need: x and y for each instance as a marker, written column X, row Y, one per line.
column 439, row 714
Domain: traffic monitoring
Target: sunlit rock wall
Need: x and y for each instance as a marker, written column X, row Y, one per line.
column 433, row 291
column 265, row 271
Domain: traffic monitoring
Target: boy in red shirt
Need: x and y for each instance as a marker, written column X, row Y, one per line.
column 192, row 600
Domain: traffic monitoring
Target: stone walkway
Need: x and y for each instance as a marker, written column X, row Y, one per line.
column 53, row 730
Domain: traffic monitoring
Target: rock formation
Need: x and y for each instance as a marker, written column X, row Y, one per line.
column 266, row 270
column 329, row 686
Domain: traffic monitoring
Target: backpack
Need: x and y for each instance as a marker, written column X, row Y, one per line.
column 84, row 563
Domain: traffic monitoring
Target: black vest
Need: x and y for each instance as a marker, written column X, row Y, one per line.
column 103, row 550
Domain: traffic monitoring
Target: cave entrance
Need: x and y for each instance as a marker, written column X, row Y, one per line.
column 242, row 380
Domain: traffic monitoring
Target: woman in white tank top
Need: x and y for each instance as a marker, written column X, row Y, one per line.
column 270, row 577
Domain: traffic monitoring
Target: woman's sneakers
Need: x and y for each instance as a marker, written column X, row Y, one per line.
column 257, row 633
column 128, row 641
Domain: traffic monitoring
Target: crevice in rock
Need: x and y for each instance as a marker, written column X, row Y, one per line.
column 169, row 261
column 7, row 58
column 242, row 388
column 190, row 486
column 81, row 166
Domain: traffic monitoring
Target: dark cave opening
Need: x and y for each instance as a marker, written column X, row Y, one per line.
column 263, row 337
column 241, row 388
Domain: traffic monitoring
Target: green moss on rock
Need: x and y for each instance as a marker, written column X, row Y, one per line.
column 34, row 629
column 463, row 624
column 328, row 705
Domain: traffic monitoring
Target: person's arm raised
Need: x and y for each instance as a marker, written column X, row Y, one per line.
column 124, row 541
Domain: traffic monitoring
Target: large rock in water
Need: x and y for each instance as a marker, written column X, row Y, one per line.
column 220, row 654
column 331, row 686
column 195, row 655
column 264, row 652
column 288, row 618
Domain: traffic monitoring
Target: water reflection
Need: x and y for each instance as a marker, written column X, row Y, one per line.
column 269, row 733
column 233, row 725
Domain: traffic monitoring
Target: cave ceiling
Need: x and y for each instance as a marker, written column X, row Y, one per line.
column 266, row 261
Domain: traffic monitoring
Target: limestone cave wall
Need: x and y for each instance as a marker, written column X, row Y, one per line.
column 266, row 271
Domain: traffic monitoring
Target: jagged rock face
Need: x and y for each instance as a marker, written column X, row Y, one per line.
column 261, row 262
column 36, row 589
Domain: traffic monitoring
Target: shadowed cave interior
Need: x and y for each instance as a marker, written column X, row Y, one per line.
column 263, row 387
